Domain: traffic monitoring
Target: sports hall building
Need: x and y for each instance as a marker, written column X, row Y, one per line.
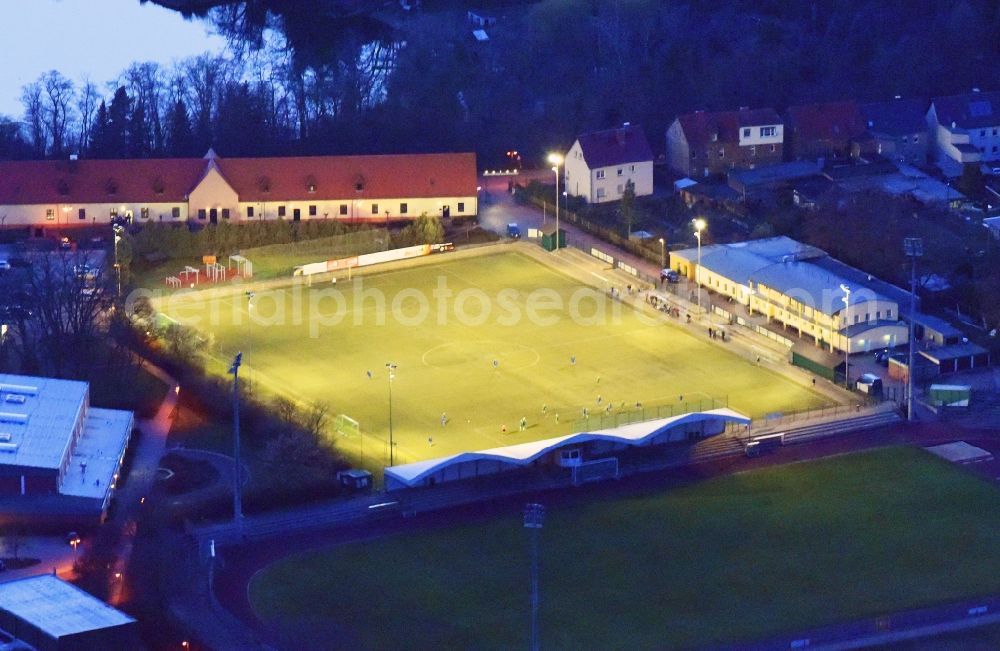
column 49, row 197
column 56, row 451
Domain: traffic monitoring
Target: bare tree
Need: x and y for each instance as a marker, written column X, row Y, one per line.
column 57, row 109
column 31, row 98
column 86, row 107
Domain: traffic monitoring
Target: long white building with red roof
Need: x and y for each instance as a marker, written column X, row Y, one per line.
column 54, row 195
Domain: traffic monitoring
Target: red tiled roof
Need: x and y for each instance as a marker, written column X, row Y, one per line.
column 170, row 180
column 337, row 177
column 98, row 181
column 626, row 144
column 699, row 126
column 828, row 121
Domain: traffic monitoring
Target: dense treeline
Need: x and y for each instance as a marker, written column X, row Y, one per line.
column 309, row 79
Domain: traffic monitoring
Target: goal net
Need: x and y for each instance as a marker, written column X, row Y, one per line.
column 346, row 426
column 595, row 470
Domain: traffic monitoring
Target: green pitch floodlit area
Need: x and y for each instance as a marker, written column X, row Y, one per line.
column 482, row 374
column 730, row 559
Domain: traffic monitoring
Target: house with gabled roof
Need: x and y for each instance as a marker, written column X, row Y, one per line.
column 704, row 143
column 823, row 130
column 965, row 129
column 600, row 164
column 53, row 196
column 898, row 128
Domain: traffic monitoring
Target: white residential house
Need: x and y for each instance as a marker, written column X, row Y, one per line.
column 965, row 129
column 599, row 164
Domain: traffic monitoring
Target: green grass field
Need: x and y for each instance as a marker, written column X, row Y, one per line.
column 446, row 364
column 734, row 558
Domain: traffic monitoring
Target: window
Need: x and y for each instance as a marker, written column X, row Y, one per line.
column 620, row 171
column 982, row 132
column 343, row 209
column 296, row 214
column 461, row 206
column 773, row 148
column 83, row 213
column 994, row 132
column 693, row 155
column 600, row 174
column 113, row 213
column 402, row 208
column 213, row 215
column 249, row 211
column 600, row 193
column 202, row 214
column 374, row 208
column 994, row 149
column 312, row 211
column 857, row 318
column 753, row 151
column 281, row 211
column 888, row 314
column 768, row 132
column 50, row 214
column 722, row 153
column 225, row 213
column 746, row 132
column 916, row 139
column 175, row 212
column 878, row 314
column 631, row 168
column 619, row 188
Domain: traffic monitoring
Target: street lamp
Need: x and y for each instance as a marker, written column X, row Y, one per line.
column 847, row 347
column 533, row 516
column 914, row 248
column 699, row 225
column 392, row 376
column 250, row 296
column 556, row 160
column 237, row 487
column 117, row 228
column 663, row 254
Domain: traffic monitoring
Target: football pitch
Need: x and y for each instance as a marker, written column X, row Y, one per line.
column 478, row 343
column 730, row 559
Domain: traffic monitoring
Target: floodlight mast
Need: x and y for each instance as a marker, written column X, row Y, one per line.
column 391, row 367
column 534, row 513
column 847, row 346
column 914, row 248
column 237, row 483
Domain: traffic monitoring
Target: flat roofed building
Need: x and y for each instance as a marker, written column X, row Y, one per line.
column 53, row 615
column 799, row 286
column 53, row 442
column 56, row 195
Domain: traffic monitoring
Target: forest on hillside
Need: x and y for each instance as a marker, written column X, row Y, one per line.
column 333, row 76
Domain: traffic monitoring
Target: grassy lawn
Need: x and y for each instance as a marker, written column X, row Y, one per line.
column 728, row 559
column 446, row 363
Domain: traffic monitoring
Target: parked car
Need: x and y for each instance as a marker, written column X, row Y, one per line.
column 513, row 231
column 882, row 357
column 4, row 265
column 670, row 276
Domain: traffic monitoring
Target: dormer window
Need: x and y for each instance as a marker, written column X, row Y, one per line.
column 158, row 186
column 359, row 183
column 264, row 184
column 62, row 187
column 311, row 184
column 111, row 186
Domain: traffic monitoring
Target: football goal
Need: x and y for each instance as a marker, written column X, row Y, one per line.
column 346, row 426
column 595, row 470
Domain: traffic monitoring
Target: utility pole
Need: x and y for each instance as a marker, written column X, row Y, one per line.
column 914, row 248
column 533, row 516
column 237, row 483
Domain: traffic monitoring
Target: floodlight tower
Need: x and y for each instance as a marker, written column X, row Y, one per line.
column 237, row 484
column 533, row 515
column 847, row 346
column 699, row 225
column 250, row 296
column 392, row 376
column 556, row 160
column 914, row 248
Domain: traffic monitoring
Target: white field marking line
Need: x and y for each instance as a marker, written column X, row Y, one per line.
column 598, row 276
